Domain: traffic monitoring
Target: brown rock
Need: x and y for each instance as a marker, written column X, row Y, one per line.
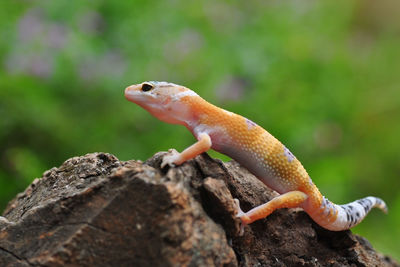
column 95, row 210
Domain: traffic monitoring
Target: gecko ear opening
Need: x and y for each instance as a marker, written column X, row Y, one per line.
column 147, row 87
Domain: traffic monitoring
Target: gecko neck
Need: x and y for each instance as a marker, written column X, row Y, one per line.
column 204, row 114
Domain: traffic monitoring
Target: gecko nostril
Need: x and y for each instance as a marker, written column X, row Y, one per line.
column 147, row 87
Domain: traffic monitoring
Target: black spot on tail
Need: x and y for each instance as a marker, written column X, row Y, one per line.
column 366, row 204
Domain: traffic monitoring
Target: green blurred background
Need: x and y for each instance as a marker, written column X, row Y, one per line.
column 322, row 76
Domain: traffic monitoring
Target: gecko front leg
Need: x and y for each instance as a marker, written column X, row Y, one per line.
column 175, row 158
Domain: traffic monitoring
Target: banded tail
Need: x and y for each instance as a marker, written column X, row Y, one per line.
column 342, row 217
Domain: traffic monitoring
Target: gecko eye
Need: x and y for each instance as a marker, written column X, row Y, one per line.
column 147, row 87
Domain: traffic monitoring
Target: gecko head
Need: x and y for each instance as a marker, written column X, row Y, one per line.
column 161, row 99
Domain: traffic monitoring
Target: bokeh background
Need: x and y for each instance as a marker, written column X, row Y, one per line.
column 322, row 76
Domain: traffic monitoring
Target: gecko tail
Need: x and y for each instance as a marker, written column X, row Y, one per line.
column 342, row 217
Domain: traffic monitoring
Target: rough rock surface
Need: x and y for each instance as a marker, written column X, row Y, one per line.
column 95, row 210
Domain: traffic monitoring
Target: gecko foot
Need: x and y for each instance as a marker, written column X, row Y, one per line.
column 170, row 158
column 242, row 215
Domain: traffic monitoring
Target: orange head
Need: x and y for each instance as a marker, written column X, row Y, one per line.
column 162, row 100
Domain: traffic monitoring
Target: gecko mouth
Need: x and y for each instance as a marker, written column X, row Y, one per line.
column 135, row 95
column 128, row 94
column 132, row 93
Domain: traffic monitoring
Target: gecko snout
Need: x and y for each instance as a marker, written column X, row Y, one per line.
column 131, row 91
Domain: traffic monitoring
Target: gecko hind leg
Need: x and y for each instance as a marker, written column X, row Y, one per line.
column 290, row 199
